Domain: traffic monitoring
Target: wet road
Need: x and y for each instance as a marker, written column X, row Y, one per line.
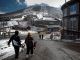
column 49, row 50
column 52, row 50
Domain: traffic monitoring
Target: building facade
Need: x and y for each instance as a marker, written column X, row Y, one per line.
column 49, row 25
column 71, row 20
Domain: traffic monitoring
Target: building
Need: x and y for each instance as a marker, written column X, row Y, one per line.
column 50, row 24
column 71, row 20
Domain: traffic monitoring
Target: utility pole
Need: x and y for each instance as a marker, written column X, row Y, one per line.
column 65, row 1
column 3, row 30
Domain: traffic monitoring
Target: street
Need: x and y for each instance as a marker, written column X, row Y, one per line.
column 47, row 49
column 52, row 50
column 48, row 29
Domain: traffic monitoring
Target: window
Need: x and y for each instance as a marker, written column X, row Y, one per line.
column 51, row 23
column 73, row 9
column 72, row 24
column 65, row 23
column 65, row 12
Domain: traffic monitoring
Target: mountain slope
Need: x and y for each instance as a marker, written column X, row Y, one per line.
column 52, row 11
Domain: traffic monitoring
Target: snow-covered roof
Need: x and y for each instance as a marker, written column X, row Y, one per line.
column 17, row 19
column 49, row 18
column 12, row 23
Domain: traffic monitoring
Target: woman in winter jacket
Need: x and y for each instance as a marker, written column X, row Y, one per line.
column 29, row 44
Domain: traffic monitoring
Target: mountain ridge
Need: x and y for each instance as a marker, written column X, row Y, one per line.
column 52, row 11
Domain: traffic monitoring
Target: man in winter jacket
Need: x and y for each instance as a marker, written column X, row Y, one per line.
column 15, row 39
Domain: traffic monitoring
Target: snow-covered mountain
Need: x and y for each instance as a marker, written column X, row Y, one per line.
column 52, row 11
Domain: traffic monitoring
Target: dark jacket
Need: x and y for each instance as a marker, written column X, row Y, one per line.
column 29, row 41
column 15, row 38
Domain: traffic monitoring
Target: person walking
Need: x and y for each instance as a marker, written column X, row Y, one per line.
column 15, row 39
column 42, row 35
column 39, row 33
column 51, row 36
column 29, row 44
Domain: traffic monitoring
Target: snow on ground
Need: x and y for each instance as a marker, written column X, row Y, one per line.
column 5, row 50
column 25, row 32
column 54, row 37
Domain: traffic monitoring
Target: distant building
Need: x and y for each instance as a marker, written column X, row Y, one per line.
column 71, row 19
column 50, row 24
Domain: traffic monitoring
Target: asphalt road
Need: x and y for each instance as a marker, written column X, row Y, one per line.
column 49, row 50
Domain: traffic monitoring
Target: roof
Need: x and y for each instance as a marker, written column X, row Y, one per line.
column 49, row 18
column 51, row 26
column 12, row 23
column 69, row 3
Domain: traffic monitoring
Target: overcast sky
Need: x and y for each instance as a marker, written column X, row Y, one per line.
column 55, row 3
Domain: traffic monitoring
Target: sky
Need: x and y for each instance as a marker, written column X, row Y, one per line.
column 7, row 6
column 54, row 3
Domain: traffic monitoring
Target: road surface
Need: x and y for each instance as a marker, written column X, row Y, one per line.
column 49, row 50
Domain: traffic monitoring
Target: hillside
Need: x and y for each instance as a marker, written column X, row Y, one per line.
column 52, row 11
